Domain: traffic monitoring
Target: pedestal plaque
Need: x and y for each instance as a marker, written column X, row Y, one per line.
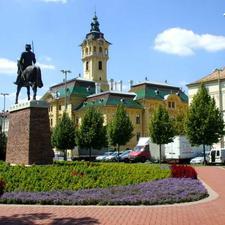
column 29, row 140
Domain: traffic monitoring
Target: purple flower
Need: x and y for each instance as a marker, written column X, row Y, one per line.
column 170, row 190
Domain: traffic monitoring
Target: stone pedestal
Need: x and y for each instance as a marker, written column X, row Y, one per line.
column 29, row 140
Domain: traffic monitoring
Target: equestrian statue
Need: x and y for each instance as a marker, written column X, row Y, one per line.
column 28, row 74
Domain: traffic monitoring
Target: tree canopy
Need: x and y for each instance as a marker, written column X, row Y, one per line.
column 63, row 136
column 204, row 124
column 161, row 127
column 120, row 128
column 92, row 133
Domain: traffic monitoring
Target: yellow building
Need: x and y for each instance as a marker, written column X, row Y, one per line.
column 94, row 90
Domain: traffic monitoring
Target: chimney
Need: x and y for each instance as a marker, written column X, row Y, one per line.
column 111, row 84
column 131, row 82
column 121, row 85
column 97, row 88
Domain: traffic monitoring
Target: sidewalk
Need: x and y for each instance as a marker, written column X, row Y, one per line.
column 207, row 213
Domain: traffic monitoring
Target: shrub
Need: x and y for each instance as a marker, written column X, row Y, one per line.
column 77, row 176
column 2, row 186
column 183, row 171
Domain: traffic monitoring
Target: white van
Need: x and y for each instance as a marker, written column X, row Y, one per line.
column 217, row 156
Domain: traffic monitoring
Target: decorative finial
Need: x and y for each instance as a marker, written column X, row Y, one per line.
column 95, row 23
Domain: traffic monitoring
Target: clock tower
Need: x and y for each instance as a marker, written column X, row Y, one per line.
column 95, row 56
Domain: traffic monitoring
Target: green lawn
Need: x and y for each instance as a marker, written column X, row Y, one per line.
column 78, row 175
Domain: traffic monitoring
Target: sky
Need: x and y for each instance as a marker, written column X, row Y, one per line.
column 173, row 40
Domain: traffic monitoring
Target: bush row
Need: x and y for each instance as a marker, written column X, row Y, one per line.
column 77, row 175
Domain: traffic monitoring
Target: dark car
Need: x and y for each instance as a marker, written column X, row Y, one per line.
column 124, row 157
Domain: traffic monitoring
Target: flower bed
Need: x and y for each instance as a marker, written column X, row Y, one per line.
column 165, row 191
column 77, row 175
column 183, row 171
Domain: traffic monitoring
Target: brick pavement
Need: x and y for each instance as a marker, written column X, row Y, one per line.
column 211, row 212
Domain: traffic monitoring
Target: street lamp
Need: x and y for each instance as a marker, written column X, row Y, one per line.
column 220, row 100
column 3, row 122
column 65, row 72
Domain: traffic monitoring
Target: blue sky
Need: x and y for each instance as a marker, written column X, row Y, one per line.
column 177, row 41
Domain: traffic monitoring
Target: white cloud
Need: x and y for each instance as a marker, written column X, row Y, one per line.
column 56, row 1
column 7, row 66
column 184, row 42
column 46, row 66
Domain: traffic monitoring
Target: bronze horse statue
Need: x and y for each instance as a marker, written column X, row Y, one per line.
column 30, row 77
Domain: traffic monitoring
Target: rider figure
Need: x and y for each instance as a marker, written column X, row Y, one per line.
column 27, row 59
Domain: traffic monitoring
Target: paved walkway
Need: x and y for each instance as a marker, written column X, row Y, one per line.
column 206, row 213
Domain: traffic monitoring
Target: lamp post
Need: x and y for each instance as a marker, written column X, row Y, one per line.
column 220, row 100
column 3, row 122
column 65, row 72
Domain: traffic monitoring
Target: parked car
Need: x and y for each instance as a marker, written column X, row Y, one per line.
column 113, row 157
column 217, row 156
column 102, row 157
column 200, row 158
column 141, row 152
column 124, row 157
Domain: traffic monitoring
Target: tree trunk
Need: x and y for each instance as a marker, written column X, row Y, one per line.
column 90, row 154
column 204, row 161
column 65, row 155
column 160, row 154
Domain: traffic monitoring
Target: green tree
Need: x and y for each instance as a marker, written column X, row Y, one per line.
column 92, row 133
column 63, row 135
column 204, row 124
column 161, row 128
column 3, row 142
column 120, row 128
column 179, row 123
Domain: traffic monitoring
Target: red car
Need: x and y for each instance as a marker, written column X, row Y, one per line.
column 140, row 154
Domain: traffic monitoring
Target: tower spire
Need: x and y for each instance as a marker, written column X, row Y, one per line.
column 95, row 24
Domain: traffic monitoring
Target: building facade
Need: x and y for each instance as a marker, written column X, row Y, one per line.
column 215, row 84
column 94, row 90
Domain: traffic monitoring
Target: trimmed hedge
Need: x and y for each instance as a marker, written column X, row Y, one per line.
column 183, row 171
column 77, row 175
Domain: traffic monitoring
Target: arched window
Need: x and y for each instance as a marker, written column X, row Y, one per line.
column 100, row 65
column 86, row 51
column 100, row 49
column 94, row 49
column 87, row 66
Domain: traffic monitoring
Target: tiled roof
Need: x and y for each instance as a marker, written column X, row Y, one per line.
column 215, row 75
column 77, row 87
column 157, row 91
column 111, row 99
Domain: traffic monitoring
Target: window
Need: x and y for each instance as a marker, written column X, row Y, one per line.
column 86, row 51
column 100, row 49
column 171, row 105
column 217, row 153
column 94, row 49
column 51, row 122
column 106, row 51
column 59, row 107
column 87, row 66
column 50, row 108
column 100, row 65
column 138, row 120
